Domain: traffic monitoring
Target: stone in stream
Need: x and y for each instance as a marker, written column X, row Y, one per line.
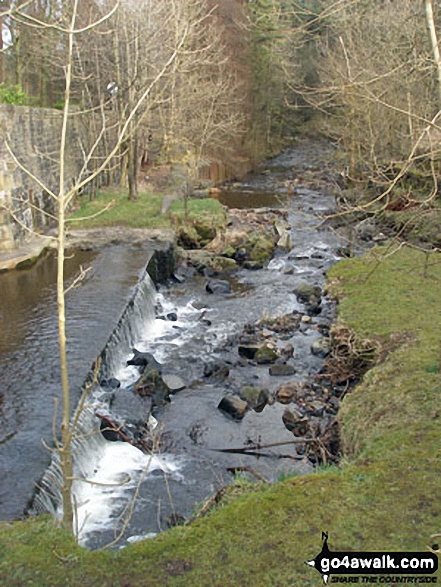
column 290, row 391
column 216, row 368
column 174, row 382
column 172, row 316
column 266, row 355
column 233, row 406
column 141, row 359
column 248, row 351
column 183, row 273
column 127, row 405
column 252, row 265
column 256, row 397
column 307, row 294
column 110, row 385
column 218, row 286
column 151, row 384
column 321, row 347
column 288, row 351
column 296, row 423
column 281, row 370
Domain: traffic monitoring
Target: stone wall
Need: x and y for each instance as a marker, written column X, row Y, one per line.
column 34, row 136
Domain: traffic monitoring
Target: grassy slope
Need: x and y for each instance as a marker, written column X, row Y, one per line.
column 144, row 213
column 386, row 496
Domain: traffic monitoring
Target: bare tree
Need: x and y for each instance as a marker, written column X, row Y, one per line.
column 62, row 197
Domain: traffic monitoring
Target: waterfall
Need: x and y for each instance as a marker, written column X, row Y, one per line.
column 137, row 316
column 103, row 470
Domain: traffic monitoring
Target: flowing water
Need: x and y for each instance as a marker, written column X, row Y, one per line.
column 29, row 360
column 116, row 479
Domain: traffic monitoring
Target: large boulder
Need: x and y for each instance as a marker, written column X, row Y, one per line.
column 233, row 406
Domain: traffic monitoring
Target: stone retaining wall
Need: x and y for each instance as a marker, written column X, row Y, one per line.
column 33, row 135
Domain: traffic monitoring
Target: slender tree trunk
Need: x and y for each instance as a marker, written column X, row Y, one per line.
column 65, row 450
column 132, row 169
column 434, row 42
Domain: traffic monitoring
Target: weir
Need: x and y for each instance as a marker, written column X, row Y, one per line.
column 88, row 444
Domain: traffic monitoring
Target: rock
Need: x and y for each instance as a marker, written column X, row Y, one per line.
column 256, row 397
column 110, row 385
column 206, row 232
column 240, row 255
column 183, row 273
column 344, row 252
column 313, row 306
column 289, row 391
column 296, row 423
column 288, row 351
column 266, row 355
column 306, row 293
column 201, row 260
column 172, row 316
column 217, row 369
column 281, row 370
column 248, row 351
column 321, row 347
column 174, row 382
column 151, row 384
column 306, row 319
column 141, row 359
column 252, row 265
column 262, row 250
column 129, row 406
column 218, row 286
column 366, row 229
column 316, row 408
column 233, row 406
column 188, row 237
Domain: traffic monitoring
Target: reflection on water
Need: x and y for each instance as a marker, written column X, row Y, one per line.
column 29, row 359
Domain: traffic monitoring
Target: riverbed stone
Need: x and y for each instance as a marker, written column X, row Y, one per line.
column 233, row 406
column 174, row 382
column 296, row 423
column 144, row 359
column 248, row 351
column 266, row 355
column 282, row 370
column 252, row 265
column 305, row 293
column 321, row 347
column 288, row 392
column 256, row 397
column 218, row 286
column 151, row 384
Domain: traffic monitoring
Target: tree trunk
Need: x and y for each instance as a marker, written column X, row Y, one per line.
column 132, row 169
column 434, row 42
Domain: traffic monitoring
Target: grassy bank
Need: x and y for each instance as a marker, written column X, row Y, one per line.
column 112, row 208
column 386, row 496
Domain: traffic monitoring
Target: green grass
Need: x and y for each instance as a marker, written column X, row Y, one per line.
column 144, row 213
column 386, row 496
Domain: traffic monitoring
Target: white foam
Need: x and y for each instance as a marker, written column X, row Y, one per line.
column 110, row 476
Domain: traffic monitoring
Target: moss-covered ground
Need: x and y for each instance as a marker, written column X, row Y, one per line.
column 385, row 496
column 113, row 208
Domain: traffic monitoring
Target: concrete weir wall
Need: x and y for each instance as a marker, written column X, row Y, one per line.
column 33, row 134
